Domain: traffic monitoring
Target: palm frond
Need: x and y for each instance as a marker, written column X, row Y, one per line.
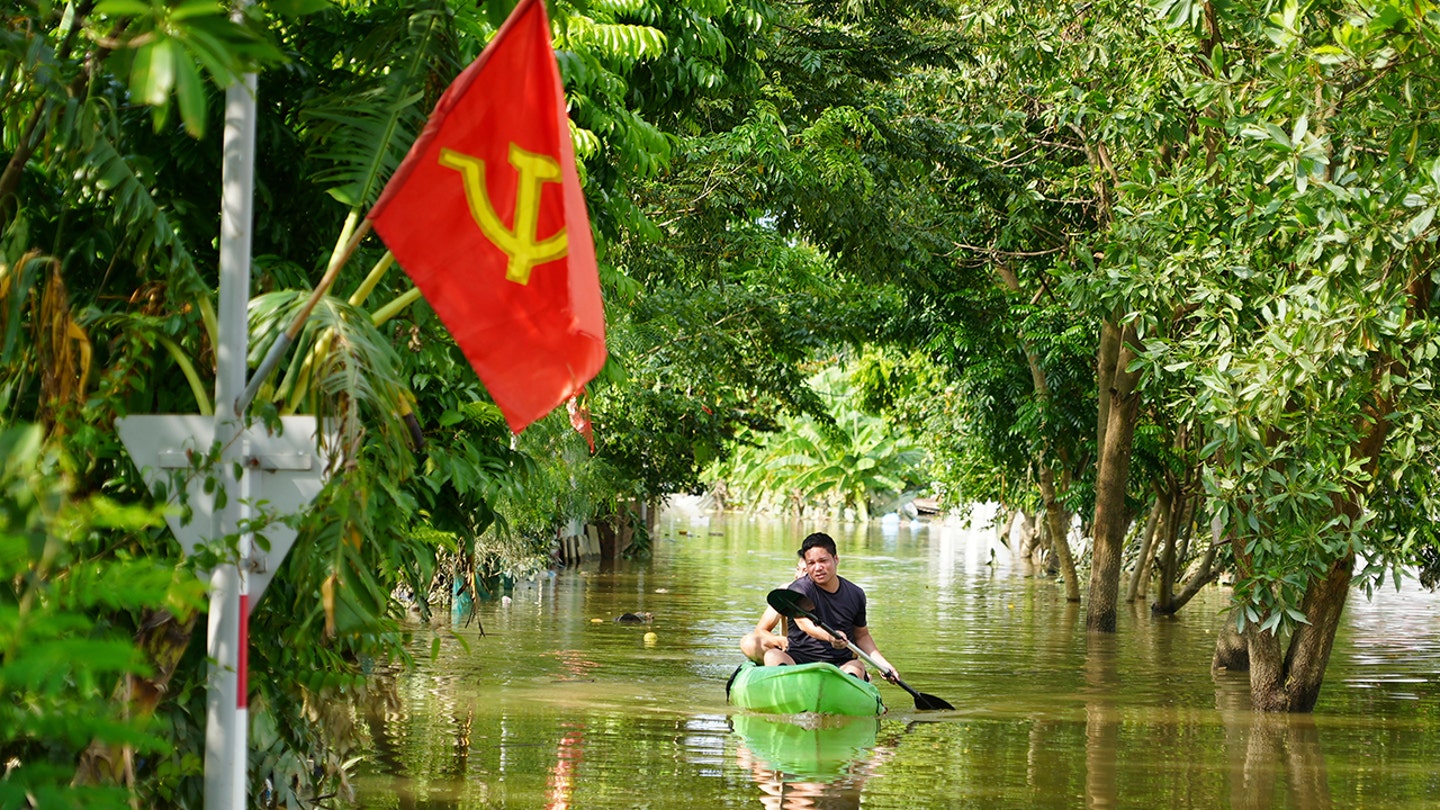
column 342, row 369
column 362, row 129
column 110, row 182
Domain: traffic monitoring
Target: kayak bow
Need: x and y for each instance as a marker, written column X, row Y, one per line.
column 818, row 687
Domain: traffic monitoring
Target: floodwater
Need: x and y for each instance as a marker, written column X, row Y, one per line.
column 558, row 706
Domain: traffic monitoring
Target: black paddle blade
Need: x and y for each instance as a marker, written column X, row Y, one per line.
column 790, row 604
column 930, row 703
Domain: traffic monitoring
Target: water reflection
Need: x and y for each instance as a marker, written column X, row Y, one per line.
column 808, row 762
column 569, row 753
column 1264, row 749
column 1102, row 720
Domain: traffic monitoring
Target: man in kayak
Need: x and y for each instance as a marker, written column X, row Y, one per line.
column 840, row 604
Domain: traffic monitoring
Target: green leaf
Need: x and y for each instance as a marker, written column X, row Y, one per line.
column 152, row 74
column 1278, row 136
column 297, row 8
column 1420, row 222
column 196, row 8
column 122, row 8
column 190, row 89
column 497, row 10
column 1177, row 13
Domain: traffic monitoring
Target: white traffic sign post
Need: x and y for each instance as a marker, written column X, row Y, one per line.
column 279, row 473
column 227, row 713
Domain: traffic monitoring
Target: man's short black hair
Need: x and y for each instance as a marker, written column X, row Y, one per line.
column 820, row 539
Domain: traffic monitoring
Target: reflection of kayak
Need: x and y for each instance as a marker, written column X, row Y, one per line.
column 818, row 687
column 822, row 749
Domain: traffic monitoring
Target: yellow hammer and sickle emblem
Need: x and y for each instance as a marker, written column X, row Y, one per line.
column 519, row 243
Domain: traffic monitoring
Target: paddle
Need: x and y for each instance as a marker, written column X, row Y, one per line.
column 793, row 605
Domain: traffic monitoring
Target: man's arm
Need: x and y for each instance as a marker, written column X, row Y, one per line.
column 764, row 631
column 860, row 637
column 818, row 633
column 768, row 620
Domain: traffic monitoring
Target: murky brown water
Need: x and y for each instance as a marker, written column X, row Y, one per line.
column 556, row 706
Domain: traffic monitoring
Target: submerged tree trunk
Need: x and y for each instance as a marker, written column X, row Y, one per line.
column 1111, row 515
column 1059, row 539
column 1290, row 680
column 1147, row 546
column 1203, row 573
column 1292, row 683
column 1231, row 652
column 1054, row 517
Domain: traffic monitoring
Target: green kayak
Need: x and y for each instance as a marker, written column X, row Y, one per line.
column 822, row 747
column 820, row 688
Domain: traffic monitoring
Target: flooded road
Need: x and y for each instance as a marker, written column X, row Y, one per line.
column 557, row 705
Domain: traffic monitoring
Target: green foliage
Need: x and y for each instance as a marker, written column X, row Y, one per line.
column 1245, row 183
column 847, row 460
column 65, row 626
column 701, row 364
column 328, row 623
column 377, row 74
column 344, row 370
column 1309, row 359
column 163, row 48
column 800, row 208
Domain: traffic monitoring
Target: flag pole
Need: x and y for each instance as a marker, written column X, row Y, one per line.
column 283, row 342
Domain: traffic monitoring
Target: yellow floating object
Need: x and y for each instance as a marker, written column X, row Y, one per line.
column 650, row 639
column 596, row 621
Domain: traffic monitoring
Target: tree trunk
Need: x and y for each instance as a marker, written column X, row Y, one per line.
column 1231, row 652
column 1054, row 519
column 1059, row 539
column 1169, row 553
column 1111, row 516
column 1184, row 532
column 1054, row 515
column 1205, row 574
column 1147, row 546
column 1105, row 377
column 1310, row 646
column 1292, row 683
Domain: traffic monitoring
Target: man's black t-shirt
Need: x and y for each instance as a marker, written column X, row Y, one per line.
column 843, row 610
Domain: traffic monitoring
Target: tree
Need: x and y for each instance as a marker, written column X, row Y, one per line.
column 1255, row 242
column 848, row 460
column 783, row 228
column 1309, row 357
column 60, row 659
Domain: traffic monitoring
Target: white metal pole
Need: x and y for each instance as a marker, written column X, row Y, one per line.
column 226, row 718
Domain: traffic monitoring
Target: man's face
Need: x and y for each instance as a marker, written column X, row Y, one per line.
column 820, row 566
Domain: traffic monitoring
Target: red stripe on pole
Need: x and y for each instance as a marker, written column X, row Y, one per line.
column 242, row 670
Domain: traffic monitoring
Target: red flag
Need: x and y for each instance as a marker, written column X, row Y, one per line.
column 486, row 216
